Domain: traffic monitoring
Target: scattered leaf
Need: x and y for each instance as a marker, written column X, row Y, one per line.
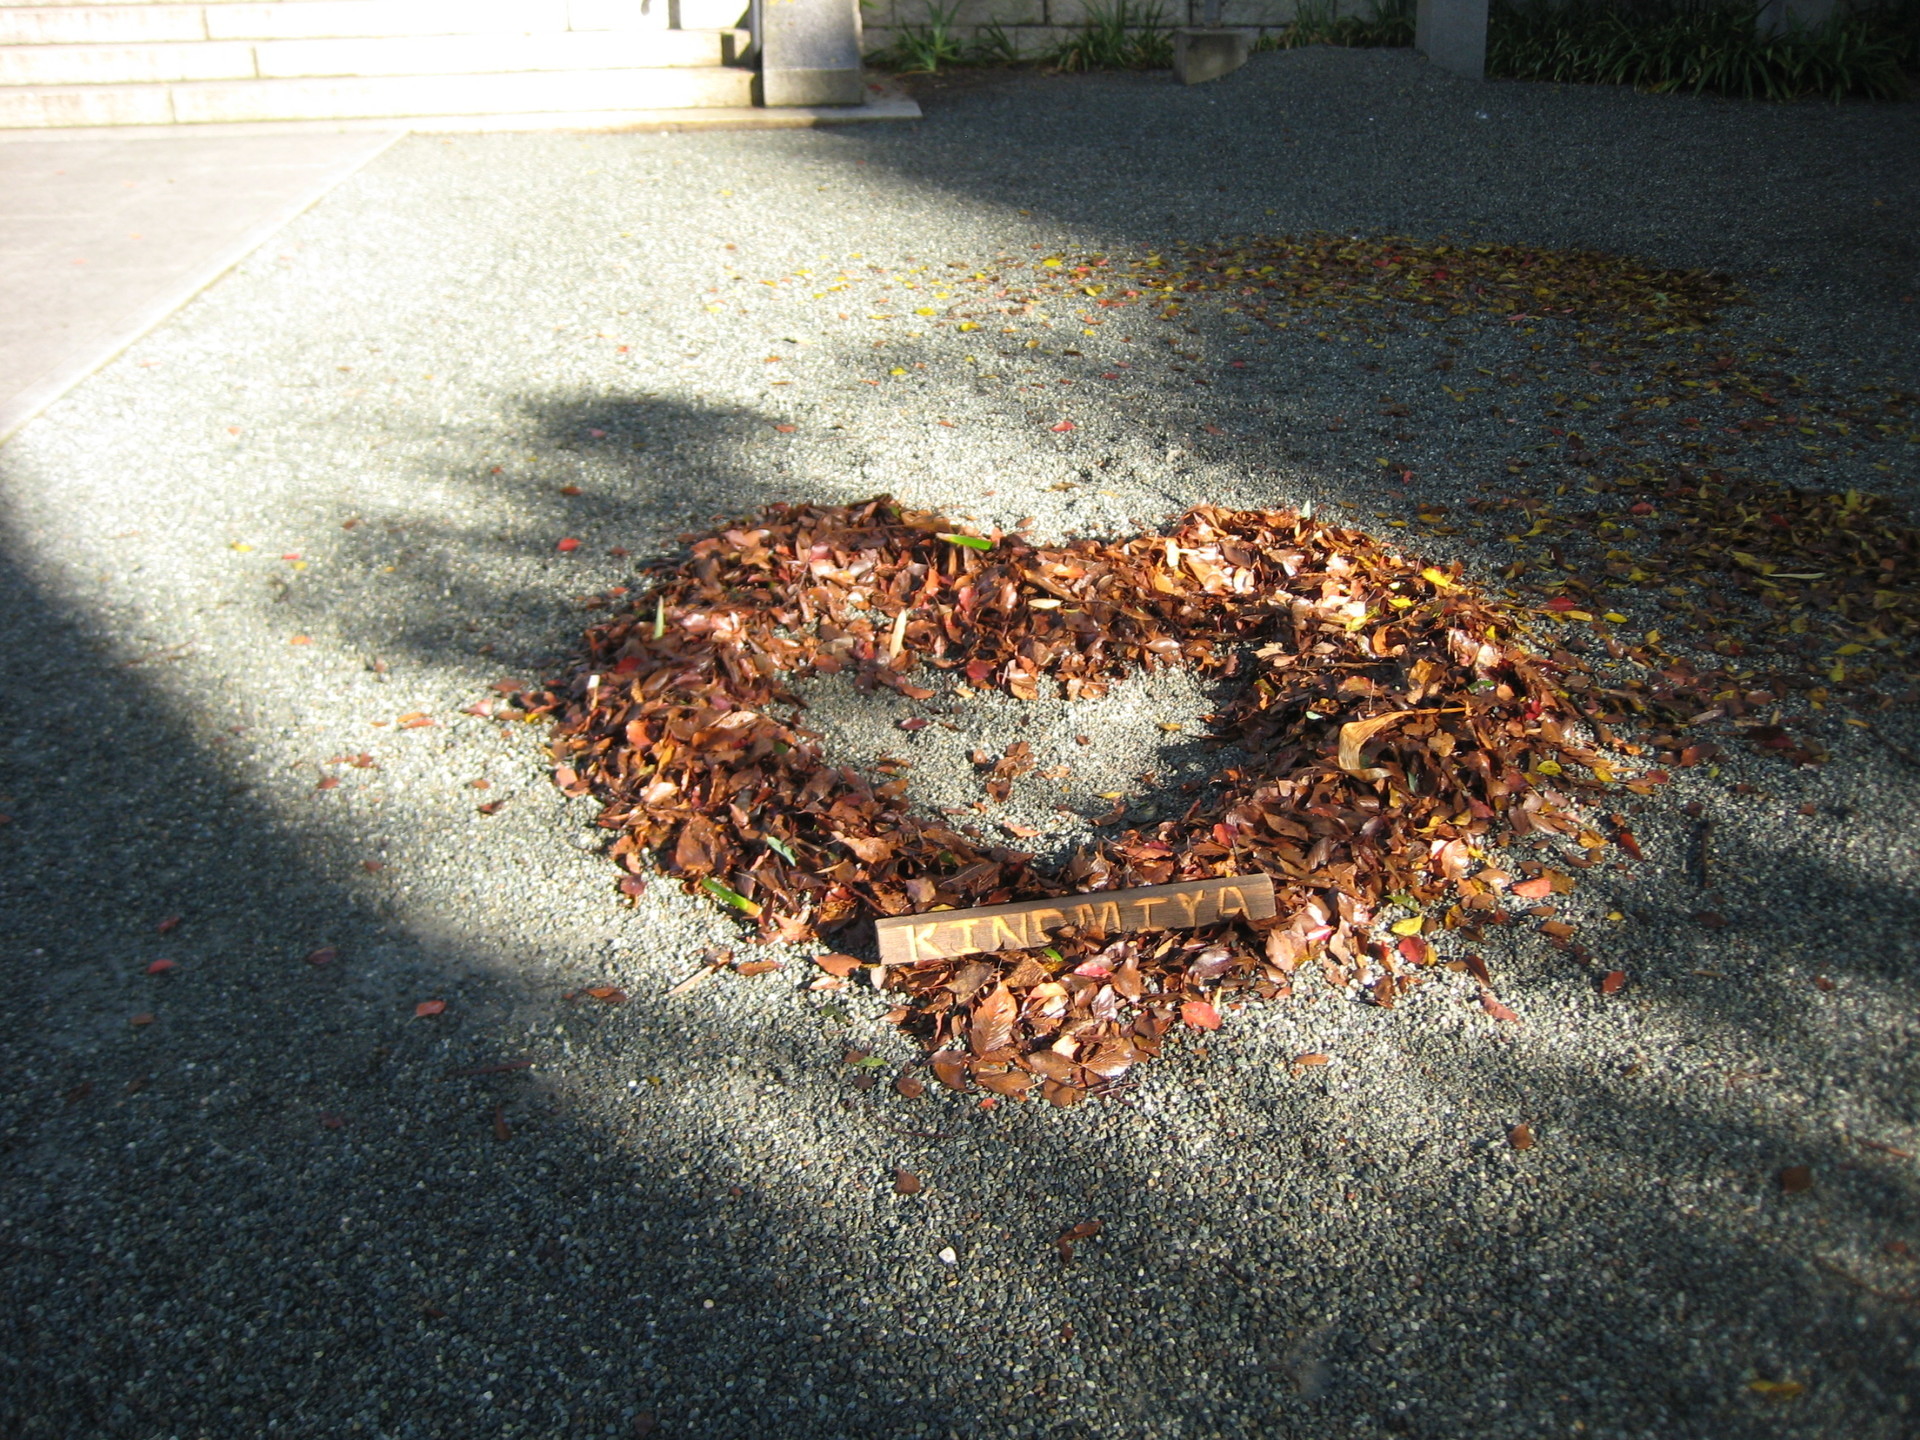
column 1200, row 1015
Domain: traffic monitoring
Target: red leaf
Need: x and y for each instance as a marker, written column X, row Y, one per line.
column 1063, row 427
column 168, row 925
column 905, row 1182
column 429, row 1007
column 1611, row 982
column 1415, row 951
column 950, row 1069
column 1200, row 1015
column 161, row 967
column 328, row 782
column 605, row 994
column 1490, row 1003
column 568, row 546
column 1534, row 889
column 325, row 955
column 1521, row 1137
column 1560, row 602
column 838, row 965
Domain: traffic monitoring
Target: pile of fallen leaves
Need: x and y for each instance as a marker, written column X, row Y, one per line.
column 1396, row 730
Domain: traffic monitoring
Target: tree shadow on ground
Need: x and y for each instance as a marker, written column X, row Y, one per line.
column 196, row 1244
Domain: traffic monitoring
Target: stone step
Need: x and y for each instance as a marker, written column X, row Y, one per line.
column 376, row 97
column 158, row 23
column 403, row 55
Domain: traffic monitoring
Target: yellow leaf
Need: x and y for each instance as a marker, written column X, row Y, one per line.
column 1550, row 767
column 242, row 546
column 1356, row 733
column 1579, row 615
column 968, row 325
column 1437, row 577
column 1851, row 650
column 926, row 310
column 1614, row 617
column 1409, row 926
column 1777, row 1389
column 1052, row 262
column 896, row 371
column 1399, row 602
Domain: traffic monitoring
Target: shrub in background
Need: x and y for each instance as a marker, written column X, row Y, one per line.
column 1120, row 36
column 1319, row 22
column 1704, row 47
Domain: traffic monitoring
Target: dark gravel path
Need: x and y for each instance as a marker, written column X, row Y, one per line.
column 258, row 1195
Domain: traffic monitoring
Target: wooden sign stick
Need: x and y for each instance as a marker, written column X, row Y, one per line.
column 1028, row 924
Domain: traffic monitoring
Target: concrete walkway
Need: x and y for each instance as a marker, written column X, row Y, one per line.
column 104, row 236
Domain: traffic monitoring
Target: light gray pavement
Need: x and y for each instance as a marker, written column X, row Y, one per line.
column 257, row 1195
column 103, row 236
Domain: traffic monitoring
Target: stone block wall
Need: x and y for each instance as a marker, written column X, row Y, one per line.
column 1037, row 26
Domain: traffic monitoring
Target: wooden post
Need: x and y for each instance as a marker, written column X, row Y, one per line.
column 1030, row 924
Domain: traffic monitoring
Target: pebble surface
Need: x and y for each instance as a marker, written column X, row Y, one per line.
column 255, row 573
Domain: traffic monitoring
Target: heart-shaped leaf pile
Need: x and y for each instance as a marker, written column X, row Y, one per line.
column 1397, row 730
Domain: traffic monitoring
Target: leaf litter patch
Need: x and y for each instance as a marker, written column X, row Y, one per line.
column 1394, row 726
column 1394, row 729
column 1688, row 452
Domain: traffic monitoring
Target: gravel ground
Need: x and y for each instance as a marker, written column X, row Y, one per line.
column 258, row 1194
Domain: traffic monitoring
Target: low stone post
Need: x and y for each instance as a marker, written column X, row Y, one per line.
column 1208, row 50
column 1453, row 35
column 810, row 53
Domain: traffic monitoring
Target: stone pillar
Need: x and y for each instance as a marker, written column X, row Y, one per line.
column 1453, row 35
column 1777, row 16
column 810, row 53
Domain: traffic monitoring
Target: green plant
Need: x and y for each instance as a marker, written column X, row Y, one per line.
column 923, row 49
column 1319, row 22
column 1119, row 36
column 992, row 45
column 1703, row 47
